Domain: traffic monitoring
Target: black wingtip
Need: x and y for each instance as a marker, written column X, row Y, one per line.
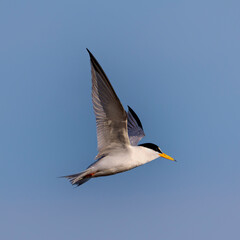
column 129, row 108
column 135, row 117
column 92, row 58
column 89, row 52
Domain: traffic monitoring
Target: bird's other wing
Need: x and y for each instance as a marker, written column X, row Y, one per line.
column 111, row 118
column 135, row 129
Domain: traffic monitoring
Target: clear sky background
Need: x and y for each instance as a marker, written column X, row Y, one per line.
column 176, row 63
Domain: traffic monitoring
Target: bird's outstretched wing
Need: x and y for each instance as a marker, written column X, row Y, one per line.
column 111, row 118
column 135, row 129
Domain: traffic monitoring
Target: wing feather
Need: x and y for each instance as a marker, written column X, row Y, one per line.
column 111, row 118
column 135, row 129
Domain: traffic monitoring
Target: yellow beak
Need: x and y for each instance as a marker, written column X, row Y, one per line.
column 166, row 156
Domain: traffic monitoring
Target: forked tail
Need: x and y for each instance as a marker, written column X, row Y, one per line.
column 79, row 178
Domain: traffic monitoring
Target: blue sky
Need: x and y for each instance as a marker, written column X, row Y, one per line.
column 176, row 63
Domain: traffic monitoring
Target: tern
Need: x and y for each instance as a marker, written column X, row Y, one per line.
column 118, row 133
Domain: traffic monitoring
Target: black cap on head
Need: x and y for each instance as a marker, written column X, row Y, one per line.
column 151, row 146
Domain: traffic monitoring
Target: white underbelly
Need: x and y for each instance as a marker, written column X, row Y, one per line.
column 122, row 161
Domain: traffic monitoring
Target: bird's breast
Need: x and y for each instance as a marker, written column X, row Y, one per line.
column 121, row 161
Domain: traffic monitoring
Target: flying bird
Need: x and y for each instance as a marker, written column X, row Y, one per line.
column 118, row 133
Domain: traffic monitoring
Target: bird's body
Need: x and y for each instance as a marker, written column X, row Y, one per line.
column 118, row 133
column 122, row 160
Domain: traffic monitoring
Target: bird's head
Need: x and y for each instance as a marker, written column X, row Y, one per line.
column 157, row 149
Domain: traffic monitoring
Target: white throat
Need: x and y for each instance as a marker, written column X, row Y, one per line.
column 142, row 155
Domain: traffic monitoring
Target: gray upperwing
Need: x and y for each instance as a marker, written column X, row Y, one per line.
column 111, row 118
column 135, row 129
